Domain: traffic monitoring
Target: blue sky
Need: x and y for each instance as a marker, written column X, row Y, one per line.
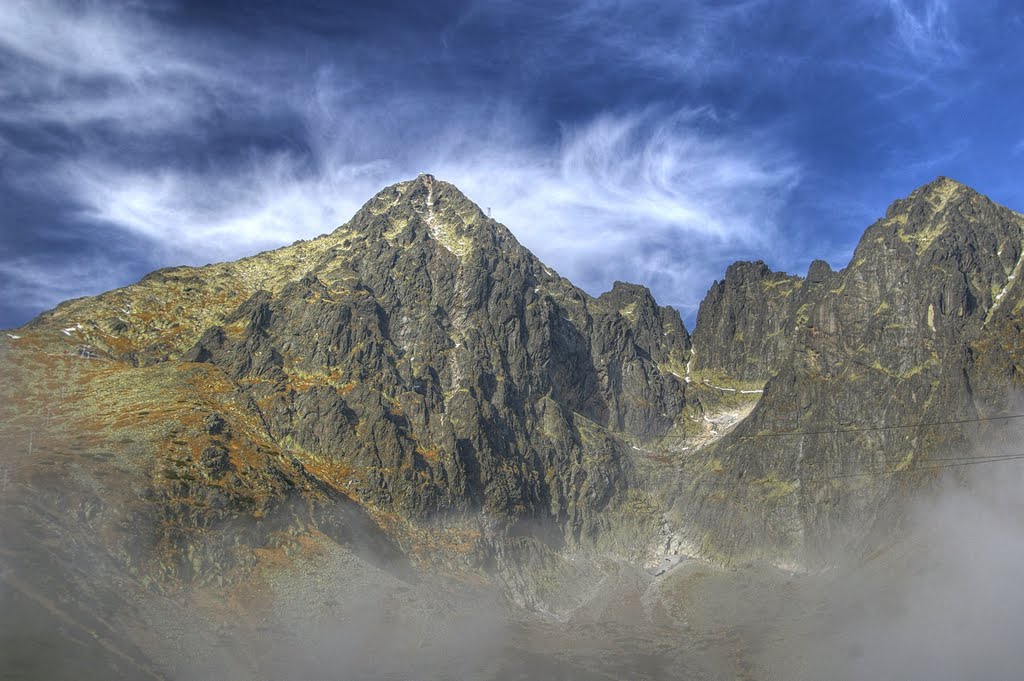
column 646, row 141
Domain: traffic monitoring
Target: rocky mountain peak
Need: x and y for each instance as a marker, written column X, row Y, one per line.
column 418, row 360
column 427, row 210
column 419, row 388
column 920, row 326
column 742, row 328
column 422, row 364
column 623, row 294
column 819, row 272
column 935, row 202
column 744, row 271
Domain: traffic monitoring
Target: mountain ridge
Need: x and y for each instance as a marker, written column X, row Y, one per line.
column 893, row 338
column 416, row 360
column 419, row 362
column 413, row 412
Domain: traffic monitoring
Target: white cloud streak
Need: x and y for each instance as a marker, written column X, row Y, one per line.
column 664, row 196
column 82, row 63
column 205, row 214
column 682, row 40
column 87, row 40
column 926, row 33
column 627, row 195
column 634, row 197
column 645, row 197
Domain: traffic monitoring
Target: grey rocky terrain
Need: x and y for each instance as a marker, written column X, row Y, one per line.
column 410, row 445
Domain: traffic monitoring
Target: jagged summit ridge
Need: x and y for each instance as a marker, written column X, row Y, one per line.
column 916, row 328
column 419, row 361
column 442, row 355
column 936, row 194
column 424, row 365
column 166, row 311
column 450, row 219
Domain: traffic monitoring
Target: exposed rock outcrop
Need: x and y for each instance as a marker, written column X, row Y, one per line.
column 421, row 371
column 418, row 361
column 745, row 322
column 918, row 329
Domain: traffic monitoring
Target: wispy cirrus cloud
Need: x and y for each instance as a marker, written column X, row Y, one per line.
column 36, row 282
column 615, row 139
column 633, row 196
column 658, row 198
column 679, row 41
column 627, row 194
column 88, row 63
column 202, row 214
column 926, row 32
column 89, row 40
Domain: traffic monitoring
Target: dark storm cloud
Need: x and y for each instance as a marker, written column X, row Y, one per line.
column 638, row 141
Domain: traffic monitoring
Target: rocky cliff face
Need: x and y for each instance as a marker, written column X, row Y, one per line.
column 744, row 325
column 419, row 385
column 439, row 367
column 417, row 364
column 917, row 329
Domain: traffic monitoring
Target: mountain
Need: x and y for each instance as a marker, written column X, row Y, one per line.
column 417, row 365
column 923, row 326
column 417, row 391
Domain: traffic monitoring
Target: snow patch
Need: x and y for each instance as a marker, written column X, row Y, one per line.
column 1010, row 279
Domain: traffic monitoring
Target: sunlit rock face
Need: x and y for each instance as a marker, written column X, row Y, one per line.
column 437, row 366
column 744, row 325
column 417, row 365
column 923, row 326
column 416, row 390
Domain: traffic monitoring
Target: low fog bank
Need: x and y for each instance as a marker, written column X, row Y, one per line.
column 336, row 616
column 948, row 603
column 939, row 599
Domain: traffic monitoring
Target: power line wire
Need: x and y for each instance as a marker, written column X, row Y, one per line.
column 925, row 467
column 838, row 431
column 948, row 463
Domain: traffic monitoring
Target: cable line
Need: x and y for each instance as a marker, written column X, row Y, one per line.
column 865, row 429
column 947, row 463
